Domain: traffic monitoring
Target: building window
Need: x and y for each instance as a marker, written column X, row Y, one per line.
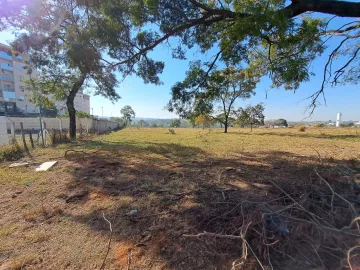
column 9, row 96
column 21, row 98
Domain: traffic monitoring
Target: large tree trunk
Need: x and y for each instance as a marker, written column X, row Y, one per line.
column 71, row 108
column 226, row 125
column 72, row 115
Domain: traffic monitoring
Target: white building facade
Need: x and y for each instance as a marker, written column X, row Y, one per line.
column 13, row 93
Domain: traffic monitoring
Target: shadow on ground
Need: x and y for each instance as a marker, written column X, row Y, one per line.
column 181, row 190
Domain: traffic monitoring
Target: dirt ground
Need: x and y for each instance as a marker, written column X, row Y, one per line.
column 183, row 184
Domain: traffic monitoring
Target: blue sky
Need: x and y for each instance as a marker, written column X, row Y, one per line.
column 149, row 100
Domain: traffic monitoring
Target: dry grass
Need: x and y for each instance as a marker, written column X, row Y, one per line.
column 180, row 183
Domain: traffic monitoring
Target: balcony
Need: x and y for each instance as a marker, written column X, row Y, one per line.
column 6, row 77
column 6, row 56
column 6, row 66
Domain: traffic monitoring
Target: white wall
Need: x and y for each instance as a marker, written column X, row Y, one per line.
column 84, row 124
column 4, row 138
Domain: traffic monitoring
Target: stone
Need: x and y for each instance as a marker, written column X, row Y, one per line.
column 45, row 166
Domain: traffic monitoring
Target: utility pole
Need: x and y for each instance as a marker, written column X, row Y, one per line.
column 92, row 111
column 102, row 111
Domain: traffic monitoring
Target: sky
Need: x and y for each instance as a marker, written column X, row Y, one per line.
column 149, row 100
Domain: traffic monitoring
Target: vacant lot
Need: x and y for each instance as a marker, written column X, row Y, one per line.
column 183, row 184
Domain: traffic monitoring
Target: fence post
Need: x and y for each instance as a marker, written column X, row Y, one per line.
column 42, row 132
column 31, row 140
column 12, row 128
column 60, row 127
column 23, row 137
column 60, row 124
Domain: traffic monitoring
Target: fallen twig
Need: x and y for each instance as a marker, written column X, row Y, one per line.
column 129, row 258
column 213, row 235
column 335, row 193
column 76, row 151
column 348, row 256
column 102, row 267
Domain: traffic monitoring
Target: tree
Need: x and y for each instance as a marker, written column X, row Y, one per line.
column 119, row 120
column 176, row 123
column 279, row 38
column 141, row 123
column 127, row 114
column 251, row 115
column 64, row 46
column 215, row 96
column 203, row 120
column 281, row 122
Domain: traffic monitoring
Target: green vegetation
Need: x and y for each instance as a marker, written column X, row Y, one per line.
column 10, row 152
column 221, row 89
column 127, row 114
column 250, row 116
column 203, row 120
column 281, row 122
column 302, row 128
column 79, row 114
column 176, row 123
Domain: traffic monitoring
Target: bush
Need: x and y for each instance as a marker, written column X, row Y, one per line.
column 319, row 125
column 79, row 114
column 302, row 128
column 171, row 131
column 10, row 152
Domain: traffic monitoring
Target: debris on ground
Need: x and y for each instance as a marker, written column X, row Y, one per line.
column 45, row 166
column 19, row 164
column 133, row 213
column 77, row 195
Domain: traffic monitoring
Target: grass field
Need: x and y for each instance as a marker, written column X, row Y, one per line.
column 184, row 183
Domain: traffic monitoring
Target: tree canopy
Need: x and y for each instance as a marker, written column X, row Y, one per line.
column 281, row 122
column 215, row 96
column 281, row 38
column 251, row 115
column 127, row 113
column 64, row 46
column 203, row 120
column 176, row 123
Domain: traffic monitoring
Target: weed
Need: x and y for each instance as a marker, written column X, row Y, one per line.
column 11, row 152
column 7, row 231
column 302, row 128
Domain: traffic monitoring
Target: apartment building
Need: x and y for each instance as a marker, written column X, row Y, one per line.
column 13, row 93
column 81, row 103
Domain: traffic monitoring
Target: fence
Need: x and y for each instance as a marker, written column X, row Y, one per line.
column 82, row 124
column 35, row 125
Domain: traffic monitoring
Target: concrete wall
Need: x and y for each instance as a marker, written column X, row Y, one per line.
column 4, row 137
column 84, row 124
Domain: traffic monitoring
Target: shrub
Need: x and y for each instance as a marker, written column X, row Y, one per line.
column 319, row 125
column 171, row 131
column 302, row 128
column 10, row 152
